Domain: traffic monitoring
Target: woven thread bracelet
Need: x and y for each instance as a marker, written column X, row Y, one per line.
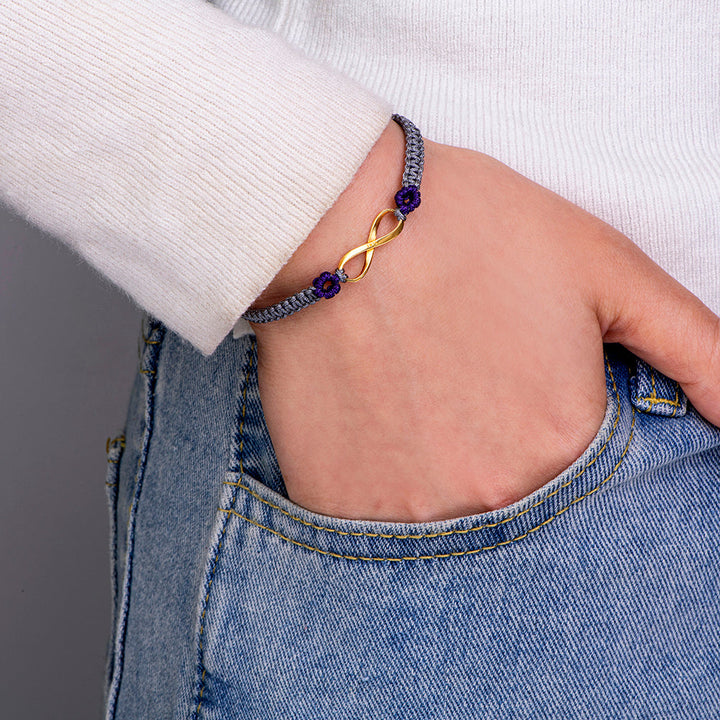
column 327, row 284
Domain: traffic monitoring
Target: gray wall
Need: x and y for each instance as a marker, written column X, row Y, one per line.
column 68, row 354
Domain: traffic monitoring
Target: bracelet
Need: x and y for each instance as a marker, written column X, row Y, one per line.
column 327, row 284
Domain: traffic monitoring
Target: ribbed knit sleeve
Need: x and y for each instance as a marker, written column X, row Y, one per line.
column 185, row 155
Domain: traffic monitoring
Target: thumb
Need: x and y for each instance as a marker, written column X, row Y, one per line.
column 641, row 307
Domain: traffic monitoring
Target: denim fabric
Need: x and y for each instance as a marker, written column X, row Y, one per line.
column 595, row 597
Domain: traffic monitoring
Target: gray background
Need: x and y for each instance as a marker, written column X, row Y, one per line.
column 68, row 354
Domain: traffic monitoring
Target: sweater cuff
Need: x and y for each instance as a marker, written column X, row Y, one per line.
column 185, row 155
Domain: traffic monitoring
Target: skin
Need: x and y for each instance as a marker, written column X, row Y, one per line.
column 466, row 369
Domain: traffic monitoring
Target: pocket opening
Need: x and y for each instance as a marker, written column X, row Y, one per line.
column 276, row 517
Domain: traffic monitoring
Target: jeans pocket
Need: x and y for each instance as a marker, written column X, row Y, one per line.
column 114, row 448
column 256, row 502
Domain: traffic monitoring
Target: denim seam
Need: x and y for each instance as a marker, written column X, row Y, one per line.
column 238, row 485
column 150, row 357
column 201, row 670
column 112, row 443
column 465, row 531
column 459, row 553
column 114, row 449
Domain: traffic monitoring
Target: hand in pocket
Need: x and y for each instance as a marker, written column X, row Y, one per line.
column 466, row 370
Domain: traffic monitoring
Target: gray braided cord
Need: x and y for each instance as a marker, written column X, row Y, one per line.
column 289, row 306
column 414, row 152
column 284, row 308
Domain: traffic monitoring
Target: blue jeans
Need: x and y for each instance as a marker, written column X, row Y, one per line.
column 595, row 597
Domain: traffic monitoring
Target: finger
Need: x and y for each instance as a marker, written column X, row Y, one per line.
column 655, row 317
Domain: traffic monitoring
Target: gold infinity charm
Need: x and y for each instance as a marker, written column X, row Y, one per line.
column 369, row 247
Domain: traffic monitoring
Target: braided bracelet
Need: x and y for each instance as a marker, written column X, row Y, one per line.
column 327, row 284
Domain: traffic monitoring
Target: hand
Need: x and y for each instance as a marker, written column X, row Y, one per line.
column 466, row 369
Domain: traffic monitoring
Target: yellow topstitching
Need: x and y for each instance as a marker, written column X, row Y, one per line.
column 446, row 533
column 459, row 553
column 653, row 399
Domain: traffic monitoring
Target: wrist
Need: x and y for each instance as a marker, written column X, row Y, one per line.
column 345, row 225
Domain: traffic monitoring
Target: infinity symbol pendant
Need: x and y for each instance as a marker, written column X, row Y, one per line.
column 373, row 242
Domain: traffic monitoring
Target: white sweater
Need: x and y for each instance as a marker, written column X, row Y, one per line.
column 186, row 150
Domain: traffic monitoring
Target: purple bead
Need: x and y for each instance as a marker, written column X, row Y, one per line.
column 326, row 285
column 407, row 198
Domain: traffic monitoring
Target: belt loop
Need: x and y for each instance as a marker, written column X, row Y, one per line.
column 651, row 392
